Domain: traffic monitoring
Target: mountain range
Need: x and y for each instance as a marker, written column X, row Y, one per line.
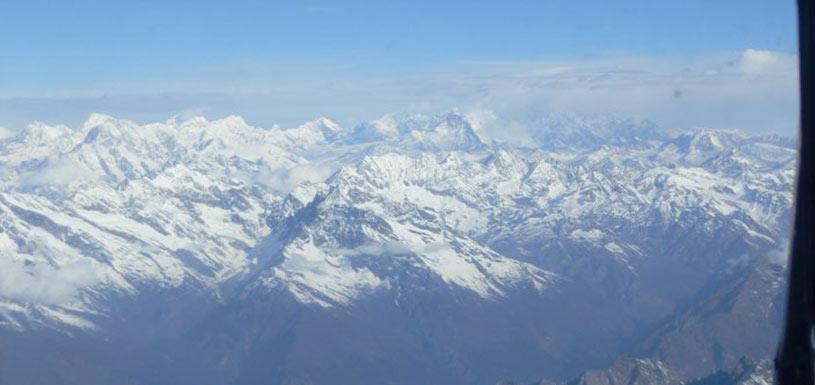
column 404, row 250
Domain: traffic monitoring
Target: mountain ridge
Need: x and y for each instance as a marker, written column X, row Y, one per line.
column 362, row 227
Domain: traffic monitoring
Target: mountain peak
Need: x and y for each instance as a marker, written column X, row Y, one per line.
column 328, row 128
column 383, row 128
column 97, row 119
column 39, row 132
column 100, row 126
column 449, row 131
column 186, row 121
column 581, row 132
column 327, row 123
column 233, row 121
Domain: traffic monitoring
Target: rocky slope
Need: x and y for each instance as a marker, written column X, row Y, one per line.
column 401, row 250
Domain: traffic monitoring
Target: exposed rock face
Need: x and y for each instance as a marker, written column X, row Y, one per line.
column 633, row 371
column 402, row 251
column 630, row 371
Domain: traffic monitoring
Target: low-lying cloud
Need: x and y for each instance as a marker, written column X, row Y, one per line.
column 41, row 283
column 59, row 172
column 284, row 180
column 387, row 248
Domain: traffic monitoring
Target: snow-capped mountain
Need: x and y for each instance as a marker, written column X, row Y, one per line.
column 402, row 250
column 653, row 372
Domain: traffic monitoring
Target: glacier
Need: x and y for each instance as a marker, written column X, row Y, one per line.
column 402, row 250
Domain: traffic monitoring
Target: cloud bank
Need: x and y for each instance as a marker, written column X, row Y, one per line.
column 756, row 90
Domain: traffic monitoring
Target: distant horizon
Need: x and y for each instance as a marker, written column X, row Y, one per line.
column 726, row 64
column 324, row 192
column 490, row 128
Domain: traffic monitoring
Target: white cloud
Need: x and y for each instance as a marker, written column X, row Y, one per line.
column 377, row 249
column 480, row 118
column 757, row 91
column 41, row 283
column 59, row 172
column 191, row 113
column 6, row 133
column 754, row 89
column 284, row 180
column 780, row 256
column 754, row 61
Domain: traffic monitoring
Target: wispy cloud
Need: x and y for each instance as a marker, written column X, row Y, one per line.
column 754, row 90
column 757, row 91
column 387, row 248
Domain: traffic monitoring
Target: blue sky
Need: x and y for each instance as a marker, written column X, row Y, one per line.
column 148, row 59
